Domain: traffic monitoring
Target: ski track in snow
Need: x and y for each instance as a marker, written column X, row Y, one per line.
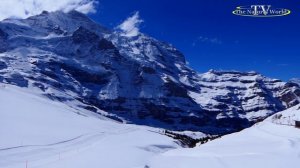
column 53, row 152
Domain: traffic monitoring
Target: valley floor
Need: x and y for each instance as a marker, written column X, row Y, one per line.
column 266, row 144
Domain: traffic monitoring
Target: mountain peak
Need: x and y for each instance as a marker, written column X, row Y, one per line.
column 47, row 22
column 70, row 14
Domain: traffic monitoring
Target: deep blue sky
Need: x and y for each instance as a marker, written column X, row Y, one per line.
column 212, row 38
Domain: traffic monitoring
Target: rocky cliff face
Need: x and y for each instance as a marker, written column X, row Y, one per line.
column 250, row 94
column 136, row 79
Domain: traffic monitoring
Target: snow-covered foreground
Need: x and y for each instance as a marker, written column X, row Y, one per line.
column 40, row 133
column 46, row 134
column 266, row 144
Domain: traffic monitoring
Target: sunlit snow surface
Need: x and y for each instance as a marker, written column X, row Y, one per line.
column 48, row 134
column 267, row 144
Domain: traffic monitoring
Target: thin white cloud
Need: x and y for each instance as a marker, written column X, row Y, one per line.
column 130, row 27
column 203, row 39
column 282, row 65
column 26, row 8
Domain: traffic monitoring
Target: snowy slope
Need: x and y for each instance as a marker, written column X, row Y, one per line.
column 46, row 133
column 267, row 144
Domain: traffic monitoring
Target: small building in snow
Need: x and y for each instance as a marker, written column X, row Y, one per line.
column 297, row 124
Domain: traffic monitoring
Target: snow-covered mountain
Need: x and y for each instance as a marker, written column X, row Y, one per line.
column 295, row 80
column 272, row 143
column 136, row 79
